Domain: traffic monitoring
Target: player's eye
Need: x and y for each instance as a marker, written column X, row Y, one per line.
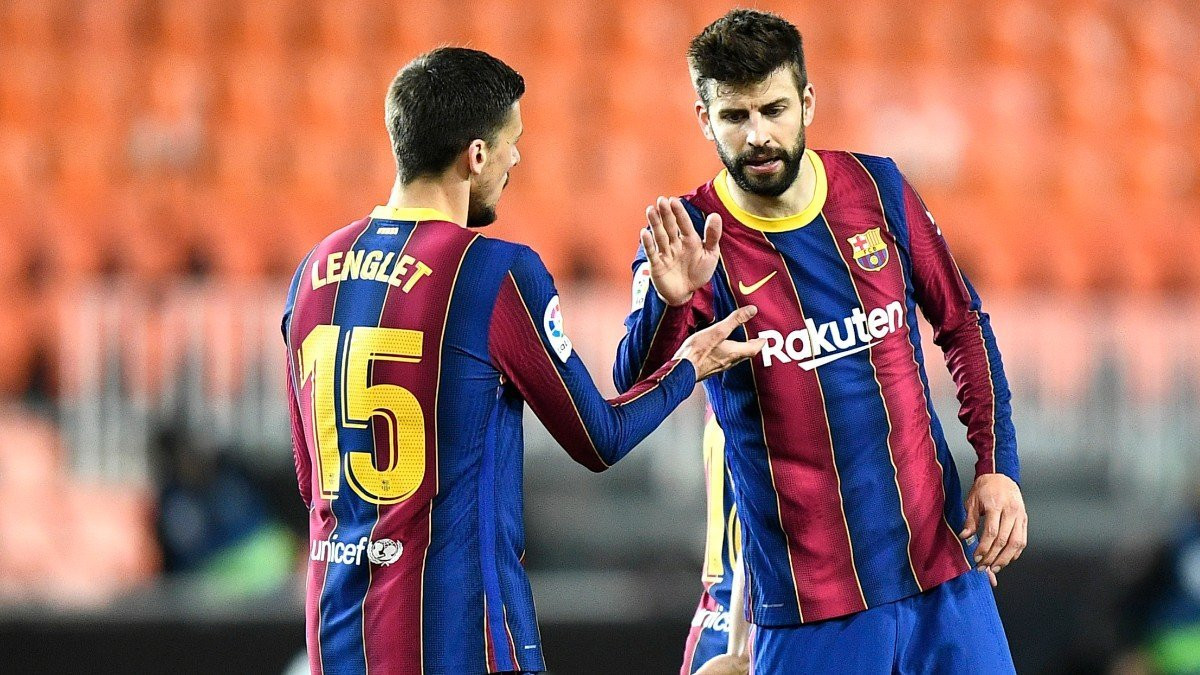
column 734, row 116
column 773, row 111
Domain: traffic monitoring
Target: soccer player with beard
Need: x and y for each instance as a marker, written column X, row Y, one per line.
column 859, row 553
column 413, row 346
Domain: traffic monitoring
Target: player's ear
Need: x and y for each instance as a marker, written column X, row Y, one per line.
column 477, row 156
column 704, row 120
column 808, row 98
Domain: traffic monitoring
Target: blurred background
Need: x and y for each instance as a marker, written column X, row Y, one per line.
column 165, row 164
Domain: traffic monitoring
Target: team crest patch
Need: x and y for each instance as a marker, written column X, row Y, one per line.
column 870, row 251
column 556, row 333
column 384, row 551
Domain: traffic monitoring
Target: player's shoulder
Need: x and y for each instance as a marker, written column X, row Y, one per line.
column 837, row 160
column 702, row 200
column 518, row 259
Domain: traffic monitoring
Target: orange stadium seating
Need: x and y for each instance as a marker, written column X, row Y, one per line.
column 146, row 141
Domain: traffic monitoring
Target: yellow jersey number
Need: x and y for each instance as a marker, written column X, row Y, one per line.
column 397, row 406
column 719, row 532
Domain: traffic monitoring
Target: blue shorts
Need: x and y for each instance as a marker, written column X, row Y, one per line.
column 953, row 628
column 708, row 637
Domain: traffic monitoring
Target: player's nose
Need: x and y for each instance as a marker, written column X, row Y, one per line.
column 756, row 131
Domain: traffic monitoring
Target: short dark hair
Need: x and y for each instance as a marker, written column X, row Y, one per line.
column 441, row 101
column 742, row 48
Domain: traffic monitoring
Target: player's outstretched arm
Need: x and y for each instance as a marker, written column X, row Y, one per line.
column 537, row 357
column 736, row 659
column 671, row 290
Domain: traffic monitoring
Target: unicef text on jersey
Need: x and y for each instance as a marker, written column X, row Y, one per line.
column 379, row 552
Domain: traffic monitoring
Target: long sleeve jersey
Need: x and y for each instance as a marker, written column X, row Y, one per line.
column 413, row 347
column 845, row 486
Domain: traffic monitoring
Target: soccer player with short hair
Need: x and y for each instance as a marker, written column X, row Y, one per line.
column 413, row 346
column 859, row 554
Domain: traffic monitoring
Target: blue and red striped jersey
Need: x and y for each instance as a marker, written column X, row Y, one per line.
column 845, row 486
column 723, row 532
column 413, row 346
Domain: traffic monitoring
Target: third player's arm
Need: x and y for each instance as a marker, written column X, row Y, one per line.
column 736, row 659
column 739, row 627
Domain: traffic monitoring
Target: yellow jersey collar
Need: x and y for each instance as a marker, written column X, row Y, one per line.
column 408, row 214
column 784, row 223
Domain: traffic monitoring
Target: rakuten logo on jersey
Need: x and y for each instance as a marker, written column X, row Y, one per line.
column 816, row 345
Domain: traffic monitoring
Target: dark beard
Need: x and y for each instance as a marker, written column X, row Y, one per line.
column 765, row 186
column 480, row 215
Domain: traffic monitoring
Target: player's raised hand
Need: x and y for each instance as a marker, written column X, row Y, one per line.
column 996, row 511
column 680, row 262
column 726, row 664
column 711, row 352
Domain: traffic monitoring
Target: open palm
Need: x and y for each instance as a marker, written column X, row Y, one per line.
column 680, row 262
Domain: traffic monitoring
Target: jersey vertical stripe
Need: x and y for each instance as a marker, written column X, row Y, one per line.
column 359, row 303
column 804, row 484
column 934, row 545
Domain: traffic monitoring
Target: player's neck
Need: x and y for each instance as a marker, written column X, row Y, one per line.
column 792, row 201
column 437, row 194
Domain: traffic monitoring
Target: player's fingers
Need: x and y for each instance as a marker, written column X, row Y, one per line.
column 650, row 247
column 651, row 214
column 736, row 351
column 1003, row 534
column 989, row 528
column 659, row 227
column 972, row 518
column 739, row 316
column 721, row 329
column 712, row 231
column 1008, row 554
column 1018, row 541
column 683, row 222
column 992, row 577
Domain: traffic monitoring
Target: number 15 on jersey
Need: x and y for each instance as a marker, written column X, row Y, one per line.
column 361, row 402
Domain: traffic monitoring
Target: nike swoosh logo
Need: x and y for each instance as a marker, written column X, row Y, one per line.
column 813, row 364
column 747, row 290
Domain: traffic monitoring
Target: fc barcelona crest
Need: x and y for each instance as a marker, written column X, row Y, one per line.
column 870, row 251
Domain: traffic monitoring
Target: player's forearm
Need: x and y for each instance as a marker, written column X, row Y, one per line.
column 983, row 394
column 739, row 628
column 653, row 335
column 612, row 429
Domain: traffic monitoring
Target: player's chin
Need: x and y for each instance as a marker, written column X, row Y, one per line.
column 767, row 185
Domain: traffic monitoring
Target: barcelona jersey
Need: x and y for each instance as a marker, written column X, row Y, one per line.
column 413, row 347
column 844, row 484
